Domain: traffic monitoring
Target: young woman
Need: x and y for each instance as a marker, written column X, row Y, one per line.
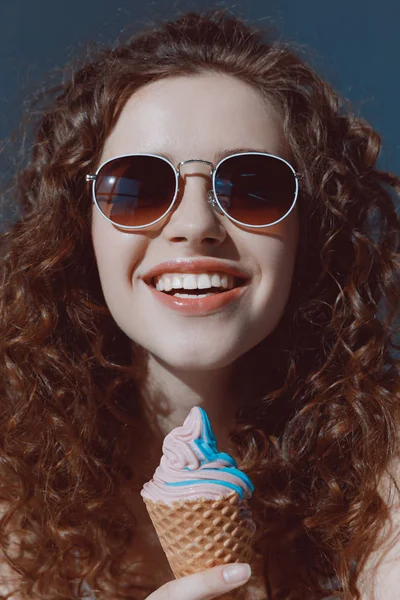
column 202, row 223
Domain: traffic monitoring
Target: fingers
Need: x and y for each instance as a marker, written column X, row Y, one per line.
column 205, row 585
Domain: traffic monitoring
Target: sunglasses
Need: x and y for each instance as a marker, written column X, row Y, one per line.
column 253, row 189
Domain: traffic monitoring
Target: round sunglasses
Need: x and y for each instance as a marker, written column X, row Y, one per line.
column 253, row 189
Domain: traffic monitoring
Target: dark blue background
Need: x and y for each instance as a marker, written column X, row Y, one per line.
column 355, row 44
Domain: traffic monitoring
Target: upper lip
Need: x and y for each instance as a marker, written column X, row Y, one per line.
column 194, row 265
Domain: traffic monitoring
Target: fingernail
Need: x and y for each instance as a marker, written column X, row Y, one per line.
column 236, row 573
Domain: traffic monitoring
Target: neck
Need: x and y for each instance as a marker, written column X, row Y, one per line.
column 167, row 396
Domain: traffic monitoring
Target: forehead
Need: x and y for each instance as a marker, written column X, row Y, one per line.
column 196, row 116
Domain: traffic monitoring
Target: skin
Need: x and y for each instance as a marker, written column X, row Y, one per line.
column 191, row 358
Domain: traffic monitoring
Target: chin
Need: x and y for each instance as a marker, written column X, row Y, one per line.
column 195, row 360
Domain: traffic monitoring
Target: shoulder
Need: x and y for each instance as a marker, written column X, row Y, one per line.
column 9, row 581
column 9, row 578
column 380, row 579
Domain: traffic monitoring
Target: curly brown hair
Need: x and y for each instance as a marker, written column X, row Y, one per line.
column 316, row 437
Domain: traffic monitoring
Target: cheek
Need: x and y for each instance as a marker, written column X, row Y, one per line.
column 104, row 248
column 117, row 254
column 277, row 245
column 276, row 274
column 277, row 255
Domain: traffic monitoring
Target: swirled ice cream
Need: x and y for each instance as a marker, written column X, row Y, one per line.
column 192, row 468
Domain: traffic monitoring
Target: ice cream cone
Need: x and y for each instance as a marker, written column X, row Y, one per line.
column 197, row 535
column 197, row 501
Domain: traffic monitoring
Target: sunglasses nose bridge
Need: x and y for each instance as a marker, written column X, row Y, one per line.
column 210, row 194
column 194, row 160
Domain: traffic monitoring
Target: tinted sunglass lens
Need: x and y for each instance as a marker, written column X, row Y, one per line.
column 135, row 190
column 255, row 189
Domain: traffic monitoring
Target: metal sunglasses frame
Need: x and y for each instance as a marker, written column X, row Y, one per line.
column 212, row 194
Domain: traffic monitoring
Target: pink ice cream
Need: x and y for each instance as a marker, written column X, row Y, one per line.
column 192, row 468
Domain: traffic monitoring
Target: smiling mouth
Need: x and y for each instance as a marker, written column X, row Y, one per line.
column 199, row 292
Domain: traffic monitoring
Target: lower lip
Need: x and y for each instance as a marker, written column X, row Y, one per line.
column 199, row 306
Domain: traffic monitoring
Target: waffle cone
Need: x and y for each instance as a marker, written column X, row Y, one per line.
column 198, row 535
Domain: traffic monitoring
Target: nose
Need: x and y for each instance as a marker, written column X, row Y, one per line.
column 195, row 220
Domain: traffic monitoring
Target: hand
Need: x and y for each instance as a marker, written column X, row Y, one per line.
column 204, row 585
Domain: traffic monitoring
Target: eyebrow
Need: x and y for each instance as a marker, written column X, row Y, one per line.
column 219, row 155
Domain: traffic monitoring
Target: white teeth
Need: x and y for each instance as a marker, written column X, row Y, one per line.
column 215, row 280
column 204, row 281
column 167, row 281
column 176, row 282
column 224, row 281
column 178, row 295
column 191, row 281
